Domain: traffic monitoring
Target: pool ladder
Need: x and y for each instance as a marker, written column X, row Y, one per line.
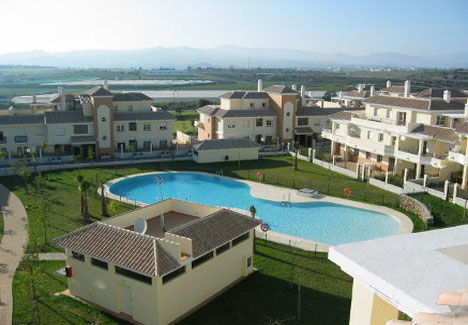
column 284, row 202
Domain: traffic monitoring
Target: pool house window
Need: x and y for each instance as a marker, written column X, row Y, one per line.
column 223, row 248
column 99, row 263
column 133, row 275
column 174, row 274
column 78, row 256
column 240, row 239
column 199, row 261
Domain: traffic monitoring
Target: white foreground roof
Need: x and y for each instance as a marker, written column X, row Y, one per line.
column 409, row 271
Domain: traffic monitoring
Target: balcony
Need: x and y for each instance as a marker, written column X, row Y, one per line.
column 3, row 140
column 381, row 123
column 328, row 134
column 433, row 159
column 457, row 157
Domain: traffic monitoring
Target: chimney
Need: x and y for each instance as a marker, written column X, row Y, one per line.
column 360, row 87
column 389, row 83
column 302, row 91
column 105, row 85
column 294, row 87
column 340, row 94
column 466, row 108
column 407, row 88
column 447, row 96
column 372, row 91
column 260, row 85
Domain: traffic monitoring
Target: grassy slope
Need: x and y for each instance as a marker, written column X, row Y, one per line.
column 263, row 297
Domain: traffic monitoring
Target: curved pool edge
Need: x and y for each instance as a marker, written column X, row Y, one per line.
column 278, row 194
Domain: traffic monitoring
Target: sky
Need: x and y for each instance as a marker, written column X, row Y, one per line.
column 356, row 27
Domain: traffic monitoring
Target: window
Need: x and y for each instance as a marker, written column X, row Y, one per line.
column 369, row 135
column 104, row 137
column 317, row 123
column 376, row 111
column 146, row 145
column 120, row 128
column 393, row 140
column 355, row 152
column 174, row 274
column 146, row 127
column 223, row 248
column 401, row 118
column 368, row 155
column 99, row 263
column 269, row 123
column 380, row 137
column 249, row 261
column 163, row 127
column 1, row 137
column 21, row 139
column 231, row 125
column 130, row 108
column 78, row 256
column 132, row 126
column 379, row 158
column 240, row 239
column 60, row 131
column 163, row 143
column 303, row 121
column 80, row 129
column 199, row 261
column 387, row 113
column 259, row 122
column 263, row 104
column 251, row 104
column 269, row 139
column 103, row 119
column 440, row 120
column 287, row 114
column 133, row 275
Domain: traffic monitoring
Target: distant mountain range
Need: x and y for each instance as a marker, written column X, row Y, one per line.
column 225, row 56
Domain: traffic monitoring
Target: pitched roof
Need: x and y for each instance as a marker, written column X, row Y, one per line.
column 99, row 91
column 245, row 95
column 130, row 97
column 424, row 104
column 462, row 128
column 280, row 89
column 317, row 111
column 394, row 89
column 55, row 117
column 436, row 132
column 439, row 92
column 126, row 248
column 215, row 230
column 219, row 144
column 227, row 113
column 68, row 98
column 357, row 94
column 344, row 115
column 21, row 119
column 143, row 116
column 208, row 109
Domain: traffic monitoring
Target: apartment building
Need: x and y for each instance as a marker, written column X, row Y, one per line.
column 423, row 132
column 70, row 125
column 274, row 115
column 354, row 98
column 157, row 264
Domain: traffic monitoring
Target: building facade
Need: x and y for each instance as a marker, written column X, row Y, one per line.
column 422, row 132
column 274, row 115
column 185, row 254
column 107, row 123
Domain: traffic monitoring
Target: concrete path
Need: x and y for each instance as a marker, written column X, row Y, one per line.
column 14, row 240
column 51, row 256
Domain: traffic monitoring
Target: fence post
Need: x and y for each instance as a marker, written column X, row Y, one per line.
column 425, row 180
column 289, row 147
column 386, row 177
column 446, row 189
column 405, row 176
column 358, row 165
column 309, row 154
column 455, row 192
column 313, row 155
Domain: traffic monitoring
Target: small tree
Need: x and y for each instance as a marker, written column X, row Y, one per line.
column 84, row 187
column 91, row 153
column 132, row 147
column 297, row 147
column 44, row 216
column 104, row 211
column 33, row 281
column 3, row 156
column 24, row 173
column 253, row 211
column 113, row 207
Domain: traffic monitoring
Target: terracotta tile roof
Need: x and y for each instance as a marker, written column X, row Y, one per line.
column 208, row 109
column 439, row 92
column 462, row 128
column 130, row 97
column 280, row 89
column 56, row 117
column 436, row 132
column 21, row 119
column 424, row 104
column 344, row 115
column 218, row 144
column 125, row 248
column 357, row 94
column 394, row 89
column 143, row 116
column 245, row 95
column 261, row 112
column 215, row 230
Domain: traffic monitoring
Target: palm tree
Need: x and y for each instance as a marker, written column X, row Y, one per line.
column 44, row 216
column 84, row 187
column 253, row 211
column 297, row 147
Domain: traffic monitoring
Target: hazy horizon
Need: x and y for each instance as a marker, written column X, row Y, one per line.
column 354, row 28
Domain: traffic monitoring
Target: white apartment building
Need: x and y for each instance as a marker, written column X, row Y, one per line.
column 69, row 125
column 277, row 114
column 423, row 132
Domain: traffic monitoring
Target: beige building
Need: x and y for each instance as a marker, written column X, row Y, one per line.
column 219, row 150
column 274, row 115
column 420, row 132
column 111, row 124
column 157, row 264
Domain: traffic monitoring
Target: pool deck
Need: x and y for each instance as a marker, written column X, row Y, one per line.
column 279, row 194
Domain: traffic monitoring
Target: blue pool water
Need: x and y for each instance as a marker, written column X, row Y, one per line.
column 318, row 221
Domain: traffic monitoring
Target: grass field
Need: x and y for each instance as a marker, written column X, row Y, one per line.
column 266, row 296
column 184, row 122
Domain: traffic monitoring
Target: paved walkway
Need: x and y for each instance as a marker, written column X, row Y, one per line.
column 51, row 256
column 12, row 246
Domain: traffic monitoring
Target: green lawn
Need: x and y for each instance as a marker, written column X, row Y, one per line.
column 184, row 122
column 264, row 297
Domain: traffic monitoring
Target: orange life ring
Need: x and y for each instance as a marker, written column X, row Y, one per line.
column 259, row 176
column 347, row 191
column 264, row 227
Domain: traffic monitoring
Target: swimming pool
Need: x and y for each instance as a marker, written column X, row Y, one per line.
column 322, row 222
